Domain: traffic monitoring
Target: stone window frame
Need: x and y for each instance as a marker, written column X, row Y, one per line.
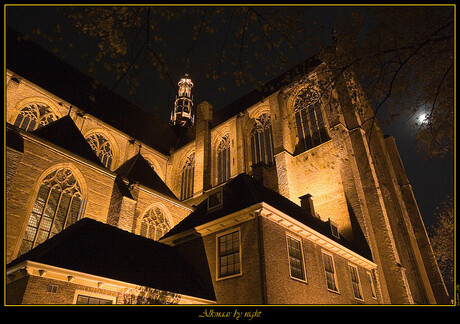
column 60, row 185
column 99, row 143
column 223, row 159
column 218, row 254
column 353, row 282
column 188, row 177
column 166, row 217
column 311, row 125
column 302, row 260
column 261, row 130
column 42, row 119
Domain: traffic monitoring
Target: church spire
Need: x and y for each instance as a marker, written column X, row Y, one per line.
column 182, row 115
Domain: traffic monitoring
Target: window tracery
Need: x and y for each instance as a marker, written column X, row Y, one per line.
column 311, row 128
column 33, row 116
column 188, row 173
column 101, row 146
column 223, row 160
column 262, row 140
column 57, row 206
column 154, row 224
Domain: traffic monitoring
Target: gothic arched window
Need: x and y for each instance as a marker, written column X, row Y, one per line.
column 33, row 116
column 223, row 160
column 101, row 146
column 57, row 206
column 311, row 129
column 188, row 173
column 262, row 140
column 154, row 224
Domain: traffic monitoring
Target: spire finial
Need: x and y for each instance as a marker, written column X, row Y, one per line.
column 187, row 66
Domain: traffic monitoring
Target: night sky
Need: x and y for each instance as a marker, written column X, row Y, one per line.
column 431, row 180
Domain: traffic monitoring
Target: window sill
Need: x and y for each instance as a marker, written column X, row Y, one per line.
column 333, row 291
column 230, row 277
column 299, row 280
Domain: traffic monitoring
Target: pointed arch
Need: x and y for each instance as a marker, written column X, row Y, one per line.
column 188, row 177
column 105, row 147
column 155, row 222
column 153, row 162
column 309, row 119
column 59, row 202
column 262, row 140
column 223, row 159
column 34, row 112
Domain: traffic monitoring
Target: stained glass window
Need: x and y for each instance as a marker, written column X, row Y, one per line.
column 154, row 224
column 262, row 140
column 33, row 116
column 223, row 160
column 311, row 129
column 101, row 146
column 188, row 173
column 57, row 206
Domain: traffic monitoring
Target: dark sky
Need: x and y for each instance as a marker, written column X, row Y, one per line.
column 431, row 180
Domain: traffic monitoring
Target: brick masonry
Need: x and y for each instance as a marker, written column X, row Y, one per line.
column 350, row 171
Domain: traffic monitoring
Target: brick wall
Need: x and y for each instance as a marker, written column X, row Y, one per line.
column 36, row 291
column 282, row 289
column 37, row 159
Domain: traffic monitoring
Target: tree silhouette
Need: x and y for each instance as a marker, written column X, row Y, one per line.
column 401, row 55
column 442, row 239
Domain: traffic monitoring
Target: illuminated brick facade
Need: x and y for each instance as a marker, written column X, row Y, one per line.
column 321, row 146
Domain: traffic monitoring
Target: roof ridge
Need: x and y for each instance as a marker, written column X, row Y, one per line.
column 81, row 148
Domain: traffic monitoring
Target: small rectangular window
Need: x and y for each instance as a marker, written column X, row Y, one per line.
column 52, row 288
column 355, row 282
column 215, row 200
column 334, row 229
column 296, row 266
column 229, row 255
column 329, row 269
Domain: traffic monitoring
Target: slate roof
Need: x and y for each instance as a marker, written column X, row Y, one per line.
column 14, row 140
column 137, row 169
column 37, row 65
column 258, row 94
column 99, row 249
column 64, row 133
column 244, row 191
column 34, row 63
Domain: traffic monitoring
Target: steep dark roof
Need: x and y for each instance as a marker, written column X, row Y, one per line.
column 99, row 249
column 258, row 94
column 122, row 187
column 64, row 133
column 244, row 191
column 30, row 61
column 139, row 170
column 14, row 140
column 34, row 63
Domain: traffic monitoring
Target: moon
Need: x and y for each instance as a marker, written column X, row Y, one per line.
column 422, row 117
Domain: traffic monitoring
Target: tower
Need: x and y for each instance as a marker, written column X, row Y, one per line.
column 182, row 115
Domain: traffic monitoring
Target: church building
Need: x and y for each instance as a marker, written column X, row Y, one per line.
column 291, row 194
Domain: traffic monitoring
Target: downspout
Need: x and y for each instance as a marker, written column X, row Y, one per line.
column 260, row 246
